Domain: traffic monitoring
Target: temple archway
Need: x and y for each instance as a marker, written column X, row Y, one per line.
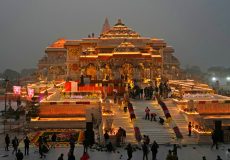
column 126, row 72
column 91, row 71
column 107, row 72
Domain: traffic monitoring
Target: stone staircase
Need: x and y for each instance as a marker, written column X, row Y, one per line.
column 161, row 134
column 122, row 119
column 181, row 122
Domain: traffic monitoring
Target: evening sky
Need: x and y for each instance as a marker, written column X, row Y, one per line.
column 199, row 30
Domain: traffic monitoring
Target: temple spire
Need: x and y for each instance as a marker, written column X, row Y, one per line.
column 106, row 26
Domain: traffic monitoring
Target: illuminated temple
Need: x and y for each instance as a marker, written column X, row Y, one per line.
column 118, row 54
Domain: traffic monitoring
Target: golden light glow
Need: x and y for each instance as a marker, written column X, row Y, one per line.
column 201, row 132
column 190, row 113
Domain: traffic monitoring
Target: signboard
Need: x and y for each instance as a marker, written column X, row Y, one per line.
column 30, row 92
column 74, row 86
column 71, row 86
column 17, row 90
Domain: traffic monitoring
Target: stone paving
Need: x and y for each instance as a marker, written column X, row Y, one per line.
column 191, row 152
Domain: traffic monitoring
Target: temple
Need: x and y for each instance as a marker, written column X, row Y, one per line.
column 118, row 54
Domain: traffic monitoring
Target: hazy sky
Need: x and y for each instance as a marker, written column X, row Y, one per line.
column 199, row 30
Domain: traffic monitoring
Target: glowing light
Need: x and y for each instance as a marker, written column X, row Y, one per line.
column 228, row 78
column 191, row 113
column 17, row 90
column 201, row 132
column 30, row 92
column 214, row 78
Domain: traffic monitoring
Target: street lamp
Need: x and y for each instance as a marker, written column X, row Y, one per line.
column 214, row 79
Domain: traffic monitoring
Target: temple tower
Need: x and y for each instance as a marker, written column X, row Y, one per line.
column 106, row 26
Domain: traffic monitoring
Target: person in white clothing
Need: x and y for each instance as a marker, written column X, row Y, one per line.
column 228, row 154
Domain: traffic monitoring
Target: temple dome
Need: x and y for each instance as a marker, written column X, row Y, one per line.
column 120, row 30
column 126, row 47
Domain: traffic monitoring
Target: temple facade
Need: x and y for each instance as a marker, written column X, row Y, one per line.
column 119, row 53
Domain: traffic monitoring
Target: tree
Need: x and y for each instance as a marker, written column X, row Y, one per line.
column 11, row 74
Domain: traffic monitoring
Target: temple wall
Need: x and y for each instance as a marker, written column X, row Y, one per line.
column 62, row 111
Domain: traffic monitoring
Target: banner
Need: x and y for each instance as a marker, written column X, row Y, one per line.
column 67, row 86
column 17, row 90
column 30, row 92
column 71, row 86
column 74, row 86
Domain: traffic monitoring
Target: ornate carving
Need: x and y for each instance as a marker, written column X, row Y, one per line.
column 126, row 71
column 73, row 52
column 91, row 71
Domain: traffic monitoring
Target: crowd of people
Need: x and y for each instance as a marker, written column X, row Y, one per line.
column 15, row 143
column 148, row 92
column 146, row 147
column 120, row 139
column 43, row 147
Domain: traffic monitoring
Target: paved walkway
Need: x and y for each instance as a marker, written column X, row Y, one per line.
column 192, row 152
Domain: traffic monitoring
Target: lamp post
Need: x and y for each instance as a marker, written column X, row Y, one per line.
column 7, row 81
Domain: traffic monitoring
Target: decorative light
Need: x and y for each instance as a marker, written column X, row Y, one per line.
column 214, row 79
column 228, row 78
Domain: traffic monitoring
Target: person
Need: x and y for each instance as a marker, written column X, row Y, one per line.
column 106, row 137
column 72, row 143
column 40, row 139
column 141, row 93
column 61, row 157
column 145, row 151
column 147, row 110
column 228, row 154
column 41, row 149
column 27, row 145
column 218, row 158
column 147, row 140
column 174, row 156
column 85, row 156
column 44, row 138
column 15, row 144
column 109, row 147
column 169, row 156
column 118, row 137
column 153, row 116
column 7, row 141
column 174, row 149
column 189, row 129
column 144, row 138
column 122, row 134
column 70, row 155
column 19, row 155
column 204, row 158
column 161, row 121
column 154, row 149
column 214, row 140
column 129, row 149
column 53, row 139
column 86, row 144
